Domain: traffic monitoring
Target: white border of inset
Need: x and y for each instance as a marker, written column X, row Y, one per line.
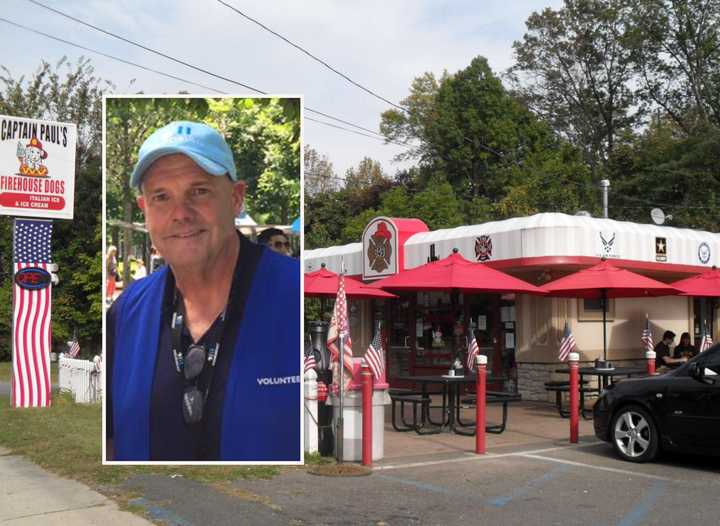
column 302, row 291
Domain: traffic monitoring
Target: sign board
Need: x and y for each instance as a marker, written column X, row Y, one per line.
column 380, row 249
column 37, row 168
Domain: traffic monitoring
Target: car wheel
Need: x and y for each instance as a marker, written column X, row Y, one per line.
column 634, row 434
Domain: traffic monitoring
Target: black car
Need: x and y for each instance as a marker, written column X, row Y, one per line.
column 676, row 411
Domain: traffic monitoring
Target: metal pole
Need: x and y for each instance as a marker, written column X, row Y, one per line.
column 604, row 185
column 604, row 306
column 367, row 414
column 339, row 435
column 574, row 395
column 480, row 396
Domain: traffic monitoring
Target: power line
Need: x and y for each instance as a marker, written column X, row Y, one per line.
column 146, row 68
column 315, row 58
column 187, row 64
column 354, row 131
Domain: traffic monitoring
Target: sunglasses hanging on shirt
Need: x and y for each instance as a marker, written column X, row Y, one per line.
column 191, row 363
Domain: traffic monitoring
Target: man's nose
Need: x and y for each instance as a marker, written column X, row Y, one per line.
column 182, row 210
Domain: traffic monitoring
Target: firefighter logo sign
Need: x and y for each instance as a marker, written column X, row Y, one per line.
column 37, row 168
column 483, row 248
column 379, row 249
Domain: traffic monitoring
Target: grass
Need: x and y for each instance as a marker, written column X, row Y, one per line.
column 6, row 372
column 66, row 439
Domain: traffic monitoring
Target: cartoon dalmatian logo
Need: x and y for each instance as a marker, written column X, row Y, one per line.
column 31, row 157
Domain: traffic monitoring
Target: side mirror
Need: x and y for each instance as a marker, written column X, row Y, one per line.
column 695, row 370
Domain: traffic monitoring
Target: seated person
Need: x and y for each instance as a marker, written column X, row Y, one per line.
column 663, row 357
column 684, row 349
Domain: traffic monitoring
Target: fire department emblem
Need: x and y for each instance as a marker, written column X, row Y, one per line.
column 31, row 157
column 483, row 248
column 379, row 249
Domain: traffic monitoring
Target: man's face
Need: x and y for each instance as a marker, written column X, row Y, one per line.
column 279, row 243
column 188, row 212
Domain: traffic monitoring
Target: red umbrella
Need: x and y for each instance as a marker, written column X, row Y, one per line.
column 604, row 281
column 456, row 272
column 325, row 283
column 706, row 284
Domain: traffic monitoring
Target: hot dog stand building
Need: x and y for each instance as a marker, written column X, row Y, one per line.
column 520, row 333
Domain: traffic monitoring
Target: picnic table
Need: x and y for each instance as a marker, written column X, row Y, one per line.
column 450, row 408
column 604, row 375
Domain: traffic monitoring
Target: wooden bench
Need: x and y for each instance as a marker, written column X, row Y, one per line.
column 563, row 386
column 491, row 397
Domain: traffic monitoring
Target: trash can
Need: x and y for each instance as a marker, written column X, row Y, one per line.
column 352, row 413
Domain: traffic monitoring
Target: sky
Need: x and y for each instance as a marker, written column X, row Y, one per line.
column 381, row 44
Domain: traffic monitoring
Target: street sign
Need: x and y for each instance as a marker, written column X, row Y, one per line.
column 37, row 168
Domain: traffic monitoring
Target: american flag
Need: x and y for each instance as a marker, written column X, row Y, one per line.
column 567, row 343
column 309, row 364
column 73, row 348
column 706, row 341
column 31, row 317
column 375, row 356
column 647, row 339
column 339, row 326
column 473, row 351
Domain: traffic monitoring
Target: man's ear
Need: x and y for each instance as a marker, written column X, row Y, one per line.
column 140, row 202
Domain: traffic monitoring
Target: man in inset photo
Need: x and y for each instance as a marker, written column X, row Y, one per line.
column 203, row 354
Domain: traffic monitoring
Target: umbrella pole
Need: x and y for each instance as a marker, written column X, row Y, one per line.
column 604, row 306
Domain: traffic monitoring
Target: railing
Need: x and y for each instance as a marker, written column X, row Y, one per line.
column 83, row 378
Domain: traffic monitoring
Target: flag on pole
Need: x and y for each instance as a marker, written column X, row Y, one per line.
column 706, row 341
column 310, row 363
column 473, row 351
column 339, row 326
column 567, row 343
column 31, row 316
column 647, row 339
column 73, row 348
column 375, row 356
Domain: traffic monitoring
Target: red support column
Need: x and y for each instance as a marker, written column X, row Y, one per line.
column 574, row 397
column 480, row 391
column 367, row 393
column 650, row 357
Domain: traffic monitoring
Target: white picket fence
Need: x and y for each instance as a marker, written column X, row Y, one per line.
column 83, row 378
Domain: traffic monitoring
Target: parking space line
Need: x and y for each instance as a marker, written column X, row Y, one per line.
column 592, row 466
column 489, row 456
column 525, row 489
column 645, row 506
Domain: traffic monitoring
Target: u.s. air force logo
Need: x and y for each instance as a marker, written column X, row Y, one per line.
column 379, row 250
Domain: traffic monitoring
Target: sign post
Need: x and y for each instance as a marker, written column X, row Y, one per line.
column 37, row 180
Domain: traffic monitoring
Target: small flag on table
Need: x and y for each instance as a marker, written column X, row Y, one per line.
column 375, row 356
column 473, row 351
column 647, row 339
column 706, row 341
column 567, row 343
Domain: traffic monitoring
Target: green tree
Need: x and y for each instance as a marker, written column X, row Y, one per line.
column 676, row 54
column 368, row 173
column 319, row 174
column 574, row 69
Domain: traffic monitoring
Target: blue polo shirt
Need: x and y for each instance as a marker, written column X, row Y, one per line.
column 264, row 302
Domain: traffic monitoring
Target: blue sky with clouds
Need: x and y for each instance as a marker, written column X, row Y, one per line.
column 382, row 44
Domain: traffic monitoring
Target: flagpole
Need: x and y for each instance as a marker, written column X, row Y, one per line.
column 339, row 431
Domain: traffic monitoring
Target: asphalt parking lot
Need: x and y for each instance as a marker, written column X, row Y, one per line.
column 583, row 484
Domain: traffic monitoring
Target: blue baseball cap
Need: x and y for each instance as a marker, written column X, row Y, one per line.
column 202, row 143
